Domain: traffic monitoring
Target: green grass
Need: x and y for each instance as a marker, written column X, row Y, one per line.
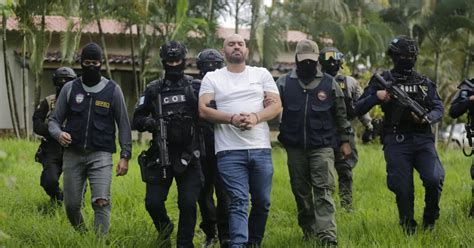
column 27, row 220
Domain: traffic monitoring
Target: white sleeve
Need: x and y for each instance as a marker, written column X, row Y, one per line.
column 269, row 84
column 206, row 86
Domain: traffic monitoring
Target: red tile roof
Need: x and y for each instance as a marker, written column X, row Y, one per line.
column 58, row 24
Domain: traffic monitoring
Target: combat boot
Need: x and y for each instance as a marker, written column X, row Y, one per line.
column 409, row 226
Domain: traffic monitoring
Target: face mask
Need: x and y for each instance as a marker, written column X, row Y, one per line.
column 91, row 75
column 306, row 69
column 404, row 65
column 332, row 69
column 174, row 73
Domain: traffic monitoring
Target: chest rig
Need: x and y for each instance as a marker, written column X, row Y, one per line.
column 179, row 105
column 399, row 118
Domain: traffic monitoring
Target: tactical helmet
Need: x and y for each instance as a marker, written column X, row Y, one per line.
column 63, row 74
column 402, row 45
column 209, row 59
column 330, row 52
column 173, row 51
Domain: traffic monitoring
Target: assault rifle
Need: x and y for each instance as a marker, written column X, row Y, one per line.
column 403, row 98
column 163, row 138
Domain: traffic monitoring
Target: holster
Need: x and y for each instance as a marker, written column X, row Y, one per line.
column 39, row 155
column 150, row 169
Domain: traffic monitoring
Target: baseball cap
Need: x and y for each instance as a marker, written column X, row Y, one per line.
column 307, row 49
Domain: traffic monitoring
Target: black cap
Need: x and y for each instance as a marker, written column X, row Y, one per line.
column 91, row 51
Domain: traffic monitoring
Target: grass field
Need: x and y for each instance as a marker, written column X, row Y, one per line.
column 27, row 220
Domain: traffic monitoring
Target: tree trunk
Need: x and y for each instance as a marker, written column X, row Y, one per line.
column 236, row 17
column 8, row 81
column 102, row 40
column 25, row 88
column 134, row 71
column 253, row 30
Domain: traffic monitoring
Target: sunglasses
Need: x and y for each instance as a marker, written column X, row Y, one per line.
column 91, row 62
column 333, row 55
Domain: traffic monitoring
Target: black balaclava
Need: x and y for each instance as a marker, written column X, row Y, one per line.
column 306, row 70
column 91, row 74
column 403, row 66
column 59, row 83
column 330, row 67
column 174, row 73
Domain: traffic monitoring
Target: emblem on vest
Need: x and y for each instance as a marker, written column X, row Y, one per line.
column 102, row 104
column 79, row 98
column 409, row 88
column 342, row 85
column 322, row 95
column 173, row 99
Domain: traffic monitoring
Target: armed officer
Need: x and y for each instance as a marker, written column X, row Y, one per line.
column 331, row 61
column 177, row 142
column 50, row 152
column 462, row 103
column 209, row 60
column 408, row 139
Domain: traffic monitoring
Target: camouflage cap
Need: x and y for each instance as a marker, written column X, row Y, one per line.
column 307, row 49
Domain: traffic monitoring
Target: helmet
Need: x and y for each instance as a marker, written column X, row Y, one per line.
column 331, row 60
column 330, row 52
column 209, row 60
column 402, row 45
column 173, row 51
column 62, row 75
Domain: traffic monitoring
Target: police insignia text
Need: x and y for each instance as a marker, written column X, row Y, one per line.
column 174, row 99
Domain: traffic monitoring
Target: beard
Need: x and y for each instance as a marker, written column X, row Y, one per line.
column 234, row 58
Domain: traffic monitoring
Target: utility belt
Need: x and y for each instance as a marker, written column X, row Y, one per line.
column 425, row 129
column 181, row 159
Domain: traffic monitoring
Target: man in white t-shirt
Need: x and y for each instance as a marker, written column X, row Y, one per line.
column 242, row 138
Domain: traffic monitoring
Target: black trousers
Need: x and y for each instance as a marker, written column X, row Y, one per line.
column 403, row 154
column 52, row 168
column 211, row 215
column 189, row 185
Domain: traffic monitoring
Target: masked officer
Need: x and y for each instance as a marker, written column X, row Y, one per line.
column 50, row 152
column 462, row 103
column 408, row 140
column 331, row 61
column 90, row 107
column 212, row 217
column 179, row 116
column 313, row 109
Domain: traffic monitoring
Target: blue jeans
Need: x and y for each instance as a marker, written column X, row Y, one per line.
column 245, row 171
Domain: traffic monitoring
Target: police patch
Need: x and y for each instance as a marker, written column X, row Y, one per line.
column 79, row 98
column 141, row 101
column 102, row 104
column 173, row 99
column 322, row 96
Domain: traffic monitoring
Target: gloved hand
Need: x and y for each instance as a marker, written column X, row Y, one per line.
column 368, row 135
column 150, row 125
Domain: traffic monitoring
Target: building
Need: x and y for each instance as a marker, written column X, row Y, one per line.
column 117, row 38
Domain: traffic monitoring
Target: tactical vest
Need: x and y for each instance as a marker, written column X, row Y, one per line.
column 179, row 105
column 51, row 100
column 398, row 119
column 342, row 82
column 90, row 119
column 307, row 120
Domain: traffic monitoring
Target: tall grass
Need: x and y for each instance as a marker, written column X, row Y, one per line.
column 28, row 220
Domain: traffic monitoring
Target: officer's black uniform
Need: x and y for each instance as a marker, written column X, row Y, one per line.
column 50, row 152
column 181, row 115
column 210, row 60
column 409, row 144
column 460, row 105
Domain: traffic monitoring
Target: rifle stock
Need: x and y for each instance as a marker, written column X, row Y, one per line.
column 403, row 98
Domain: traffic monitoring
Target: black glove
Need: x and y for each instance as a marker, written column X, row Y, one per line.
column 368, row 135
column 150, row 125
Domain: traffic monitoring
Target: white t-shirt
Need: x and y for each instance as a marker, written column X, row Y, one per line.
column 235, row 93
